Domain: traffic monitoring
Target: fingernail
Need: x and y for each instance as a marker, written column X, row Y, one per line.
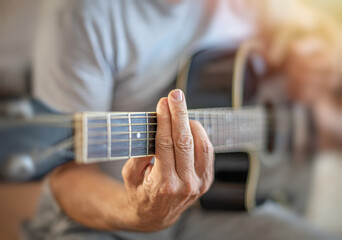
column 177, row 95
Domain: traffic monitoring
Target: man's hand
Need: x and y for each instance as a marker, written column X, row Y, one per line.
column 182, row 171
column 154, row 196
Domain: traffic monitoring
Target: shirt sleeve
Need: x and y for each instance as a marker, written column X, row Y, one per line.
column 73, row 60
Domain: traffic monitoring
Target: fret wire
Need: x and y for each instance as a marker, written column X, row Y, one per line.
column 250, row 134
column 216, row 121
column 218, row 132
column 222, row 133
column 130, row 135
column 109, row 137
column 147, row 135
column 236, row 130
column 206, row 126
column 227, row 128
column 232, row 130
column 224, row 140
column 214, row 138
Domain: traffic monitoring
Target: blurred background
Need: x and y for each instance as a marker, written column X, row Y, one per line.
column 18, row 21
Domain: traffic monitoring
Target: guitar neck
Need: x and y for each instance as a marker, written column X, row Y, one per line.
column 115, row 136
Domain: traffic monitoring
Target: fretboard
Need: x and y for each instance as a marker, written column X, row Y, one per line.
column 116, row 136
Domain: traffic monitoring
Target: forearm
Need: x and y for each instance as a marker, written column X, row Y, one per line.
column 91, row 198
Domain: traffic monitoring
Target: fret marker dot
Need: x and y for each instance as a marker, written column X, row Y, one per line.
column 138, row 135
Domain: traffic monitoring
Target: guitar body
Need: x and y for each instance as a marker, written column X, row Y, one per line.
column 224, row 78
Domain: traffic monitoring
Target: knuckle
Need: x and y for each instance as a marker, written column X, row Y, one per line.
column 163, row 119
column 204, row 189
column 206, row 181
column 206, row 147
column 206, row 186
column 167, row 189
column 184, row 143
column 190, row 190
column 164, row 142
column 181, row 114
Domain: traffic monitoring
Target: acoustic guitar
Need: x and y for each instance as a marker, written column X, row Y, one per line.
column 251, row 137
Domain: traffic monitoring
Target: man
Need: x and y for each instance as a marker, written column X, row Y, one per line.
column 122, row 55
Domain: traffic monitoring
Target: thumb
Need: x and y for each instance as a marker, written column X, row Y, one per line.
column 134, row 170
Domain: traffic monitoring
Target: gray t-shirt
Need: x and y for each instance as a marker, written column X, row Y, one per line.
column 121, row 55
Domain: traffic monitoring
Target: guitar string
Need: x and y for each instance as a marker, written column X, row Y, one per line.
column 239, row 120
column 217, row 133
column 152, row 139
column 6, row 123
column 252, row 125
column 231, row 136
column 152, row 144
column 238, row 145
column 212, row 125
column 202, row 117
column 242, row 141
column 219, row 146
column 238, row 142
column 200, row 114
